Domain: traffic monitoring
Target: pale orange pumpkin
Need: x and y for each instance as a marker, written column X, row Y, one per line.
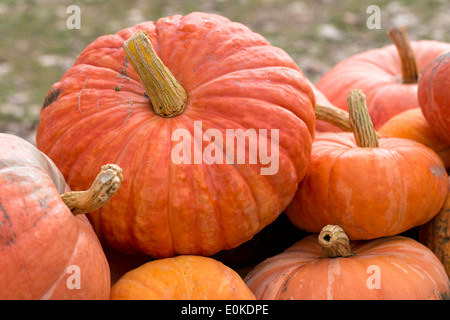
column 329, row 266
column 48, row 248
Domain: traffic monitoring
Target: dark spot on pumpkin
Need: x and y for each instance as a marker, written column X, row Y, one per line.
column 51, row 97
column 124, row 71
column 7, row 235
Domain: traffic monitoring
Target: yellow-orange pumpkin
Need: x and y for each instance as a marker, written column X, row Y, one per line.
column 183, row 277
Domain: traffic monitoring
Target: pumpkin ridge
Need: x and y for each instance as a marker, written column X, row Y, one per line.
column 213, row 185
column 134, row 216
column 68, row 130
column 234, row 72
column 132, row 234
column 101, row 140
column 169, row 188
column 216, row 205
column 270, row 106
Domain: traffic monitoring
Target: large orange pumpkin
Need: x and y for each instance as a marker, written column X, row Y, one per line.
column 372, row 187
column 184, row 277
column 434, row 95
column 210, row 73
column 45, row 251
column 330, row 267
column 388, row 76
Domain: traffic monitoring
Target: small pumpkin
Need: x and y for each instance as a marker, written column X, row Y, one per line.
column 215, row 74
column 48, row 248
column 388, row 75
column 434, row 95
column 372, row 187
column 411, row 124
column 183, row 277
column 330, row 267
column 435, row 234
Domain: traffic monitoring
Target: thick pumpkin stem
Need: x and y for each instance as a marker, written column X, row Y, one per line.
column 410, row 70
column 334, row 116
column 362, row 126
column 103, row 188
column 334, row 242
column 166, row 94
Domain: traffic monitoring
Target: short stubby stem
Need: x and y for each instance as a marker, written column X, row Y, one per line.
column 334, row 242
column 103, row 188
column 166, row 94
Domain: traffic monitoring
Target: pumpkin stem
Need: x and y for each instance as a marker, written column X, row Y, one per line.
column 410, row 70
column 334, row 242
column 103, row 188
column 362, row 126
column 166, row 94
column 334, row 116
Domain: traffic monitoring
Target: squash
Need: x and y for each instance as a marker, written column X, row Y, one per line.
column 372, row 187
column 330, row 267
column 48, row 248
column 160, row 99
column 411, row 124
column 435, row 234
column 388, row 76
column 184, row 277
column 434, row 96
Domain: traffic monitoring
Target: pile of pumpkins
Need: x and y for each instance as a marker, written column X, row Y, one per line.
column 361, row 182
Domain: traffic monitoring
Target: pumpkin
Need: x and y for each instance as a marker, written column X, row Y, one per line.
column 388, row 75
column 434, row 97
column 372, row 187
column 330, row 267
column 411, row 124
column 435, row 234
column 48, row 248
column 162, row 100
column 184, row 277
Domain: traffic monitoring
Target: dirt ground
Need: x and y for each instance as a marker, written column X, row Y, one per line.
column 37, row 47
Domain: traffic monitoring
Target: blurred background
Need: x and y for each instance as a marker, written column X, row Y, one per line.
column 36, row 47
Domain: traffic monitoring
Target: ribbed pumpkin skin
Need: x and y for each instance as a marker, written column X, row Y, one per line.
column 436, row 233
column 406, row 270
column 181, row 278
column 434, row 95
column 39, row 236
column 234, row 80
column 377, row 72
column 411, row 124
column 369, row 192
